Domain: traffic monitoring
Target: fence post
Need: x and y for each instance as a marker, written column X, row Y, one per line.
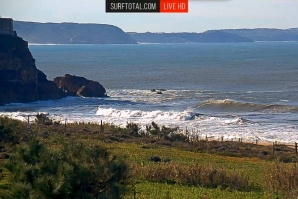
column 101, row 126
column 296, row 152
column 273, row 148
column 28, row 125
column 65, row 124
column 256, row 141
column 222, row 138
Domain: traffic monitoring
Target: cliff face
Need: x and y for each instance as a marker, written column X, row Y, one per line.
column 71, row 33
column 20, row 80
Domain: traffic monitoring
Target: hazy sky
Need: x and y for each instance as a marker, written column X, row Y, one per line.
column 203, row 15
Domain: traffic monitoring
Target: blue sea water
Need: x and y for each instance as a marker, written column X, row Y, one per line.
column 235, row 90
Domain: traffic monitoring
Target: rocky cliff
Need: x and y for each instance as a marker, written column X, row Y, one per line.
column 20, row 80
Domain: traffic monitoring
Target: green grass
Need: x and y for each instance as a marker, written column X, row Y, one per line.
column 249, row 160
column 136, row 154
column 150, row 190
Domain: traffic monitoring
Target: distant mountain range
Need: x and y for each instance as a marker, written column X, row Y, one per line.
column 75, row 33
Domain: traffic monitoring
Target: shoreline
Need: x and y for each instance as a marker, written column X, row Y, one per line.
column 192, row 136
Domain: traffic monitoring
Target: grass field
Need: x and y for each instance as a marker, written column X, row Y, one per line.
column 185, row 170
column 133, row 153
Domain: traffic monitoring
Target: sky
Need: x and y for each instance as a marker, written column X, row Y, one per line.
column 202, row 15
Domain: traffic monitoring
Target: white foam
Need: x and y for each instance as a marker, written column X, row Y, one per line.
column 132, row 106
column 138, row 114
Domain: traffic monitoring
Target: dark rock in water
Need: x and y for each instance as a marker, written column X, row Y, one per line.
column 80, row 86
column 155, row 159
column 159, row 92
column 20, row 80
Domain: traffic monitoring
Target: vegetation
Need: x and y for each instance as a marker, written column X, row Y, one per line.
column 43, row 119
column 80, row 161
column 69, row 169
column 9, row 130
column 283, row 179
column 194, row 175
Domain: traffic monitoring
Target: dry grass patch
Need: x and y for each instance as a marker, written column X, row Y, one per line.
column 194, row 175
column 283, row 179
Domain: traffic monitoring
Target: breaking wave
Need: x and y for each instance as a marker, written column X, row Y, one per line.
column 138, row 114
column 233, row 106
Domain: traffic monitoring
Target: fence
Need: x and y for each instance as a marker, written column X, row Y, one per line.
column 195, row 136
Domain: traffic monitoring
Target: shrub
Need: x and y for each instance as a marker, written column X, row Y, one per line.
column 10, row 129
column 153, row 129
column 166, row 132
column 43, row 119
column 133, row 128
column 68, row 170
column 176, row 137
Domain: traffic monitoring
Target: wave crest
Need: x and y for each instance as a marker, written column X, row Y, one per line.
column 138, row 114
column 233, row 106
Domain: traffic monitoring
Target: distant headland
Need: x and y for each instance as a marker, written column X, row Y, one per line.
column 79, row 33
column 219, row 36
column 71, row 33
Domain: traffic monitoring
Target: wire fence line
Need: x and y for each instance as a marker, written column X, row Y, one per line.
column 193, row 135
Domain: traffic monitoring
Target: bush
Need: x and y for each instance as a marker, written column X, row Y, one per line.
column 163, row 132
column 68, row 170
column 176, row 137
column 43, row 119
column 133, row 128
column 153, row 129
column 10, row 130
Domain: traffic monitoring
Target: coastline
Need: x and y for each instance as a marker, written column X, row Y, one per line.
column 30, row 118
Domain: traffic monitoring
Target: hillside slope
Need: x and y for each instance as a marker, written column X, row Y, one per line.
column 265, row 34
column 71, row 33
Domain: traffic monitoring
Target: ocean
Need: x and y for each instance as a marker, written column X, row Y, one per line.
column 230, row 90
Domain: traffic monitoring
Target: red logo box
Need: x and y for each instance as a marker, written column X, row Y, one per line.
column 174, row 6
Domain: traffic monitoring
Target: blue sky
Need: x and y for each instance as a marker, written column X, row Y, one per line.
column 203, row 15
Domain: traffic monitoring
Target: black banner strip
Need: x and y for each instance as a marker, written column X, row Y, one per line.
column 132, row 6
